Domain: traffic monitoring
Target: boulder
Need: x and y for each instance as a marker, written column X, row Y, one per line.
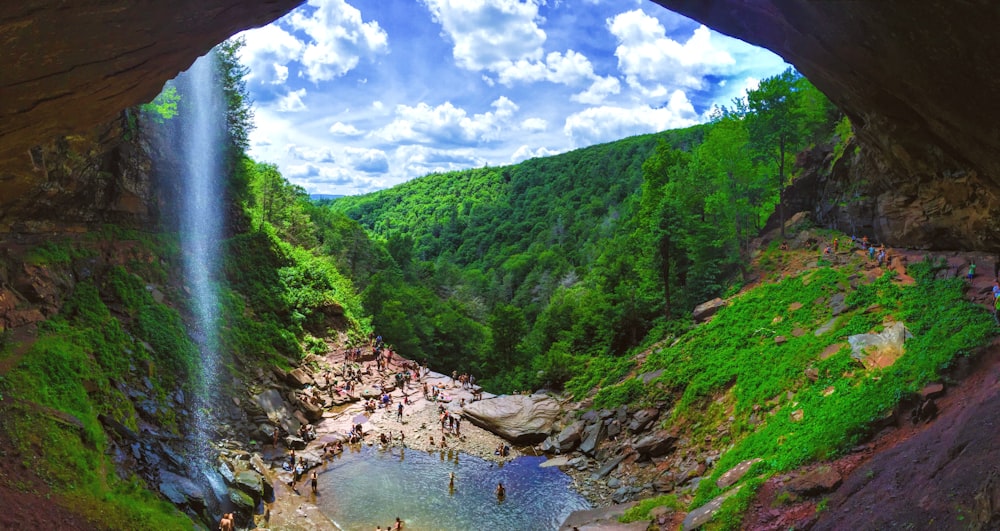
column 519, row 419
column 814, row 481
column 311, row 411
column 664, row 482
column 734, row 474
column 643, row 418
column 655, row 444
column 879, row 350
column 706, row 310
column 607, row 468
column 647, row 377
column 592, row 436
column 294, row 443
column 299, row 378
column 569, row 437
column 602, row 518
column 180, row 490
column 243, row 502
column 556, row 461
column 702, row 515
column 277, row 410
column 837, row 304
column 250, row 482
column 932, row 391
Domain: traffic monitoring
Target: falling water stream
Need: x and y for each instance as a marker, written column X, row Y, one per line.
column 200, row 231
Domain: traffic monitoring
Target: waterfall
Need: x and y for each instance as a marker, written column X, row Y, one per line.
column 200, row 216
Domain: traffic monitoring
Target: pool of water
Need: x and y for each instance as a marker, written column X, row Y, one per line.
column 368, row 487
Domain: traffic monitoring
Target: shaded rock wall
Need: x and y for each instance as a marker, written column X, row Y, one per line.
column 69, row 66
column 918, row 80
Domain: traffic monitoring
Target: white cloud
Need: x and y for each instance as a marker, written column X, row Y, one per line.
column 267, row 51
column 605, row 123
column 601, row 88
column 489, row 33
column 343, row 129
column 292, row 101
column 280, row 74
column 423, row 159
column 448, row 124
column 309, row 153
column 367, row 160
column 646, row 55
column 524, row 153
column 339, row 38
column 534, row 125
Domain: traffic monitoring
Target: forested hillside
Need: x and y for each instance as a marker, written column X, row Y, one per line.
column 529, row 273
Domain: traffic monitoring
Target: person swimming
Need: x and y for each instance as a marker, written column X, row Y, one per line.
column 501, row 491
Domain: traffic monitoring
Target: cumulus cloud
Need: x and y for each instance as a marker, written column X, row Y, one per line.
column 489, row 33
column 448, row 124
column 267, row 52
column 524, row 153
column 342, row 129
column 534, row 125
column 292, row 101
column 606, row 123
column 367, row 160
column 601, row 88
column 339, row 38
column 311, row 154
column 650, row 59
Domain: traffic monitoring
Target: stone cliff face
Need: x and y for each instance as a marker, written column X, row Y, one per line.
column 70, row 66
column 917, row 81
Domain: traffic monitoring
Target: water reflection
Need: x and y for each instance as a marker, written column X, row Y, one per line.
column 366, row 488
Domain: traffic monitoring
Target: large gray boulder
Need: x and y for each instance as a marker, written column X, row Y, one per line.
column 277, row 410
column 519, row 419
column 706, row 310
column 569, row 437
column 655, row 444
column 592, row 437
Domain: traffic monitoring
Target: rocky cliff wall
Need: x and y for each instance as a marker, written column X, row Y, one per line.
column 68, row 67
column 917, row 80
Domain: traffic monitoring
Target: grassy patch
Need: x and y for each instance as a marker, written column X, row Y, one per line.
column 737, row 351
column 641, row 511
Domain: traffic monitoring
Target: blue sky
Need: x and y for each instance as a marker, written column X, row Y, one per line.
column 355, row 96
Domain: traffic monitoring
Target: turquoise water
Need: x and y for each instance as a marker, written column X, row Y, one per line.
column 366, row 488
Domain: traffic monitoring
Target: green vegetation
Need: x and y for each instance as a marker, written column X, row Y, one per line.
column 529, row 274
column 726, row 355
column 641, row 511
column 164, row 106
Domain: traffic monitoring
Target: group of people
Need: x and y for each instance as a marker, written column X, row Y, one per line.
column 449, row 423
column 466, row 380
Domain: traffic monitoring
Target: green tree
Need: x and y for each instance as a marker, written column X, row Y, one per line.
column 232, row 79
column 507, row 326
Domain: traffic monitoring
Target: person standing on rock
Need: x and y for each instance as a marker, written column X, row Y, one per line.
column 315, row 481
column 972, row 270
column 399, row 412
